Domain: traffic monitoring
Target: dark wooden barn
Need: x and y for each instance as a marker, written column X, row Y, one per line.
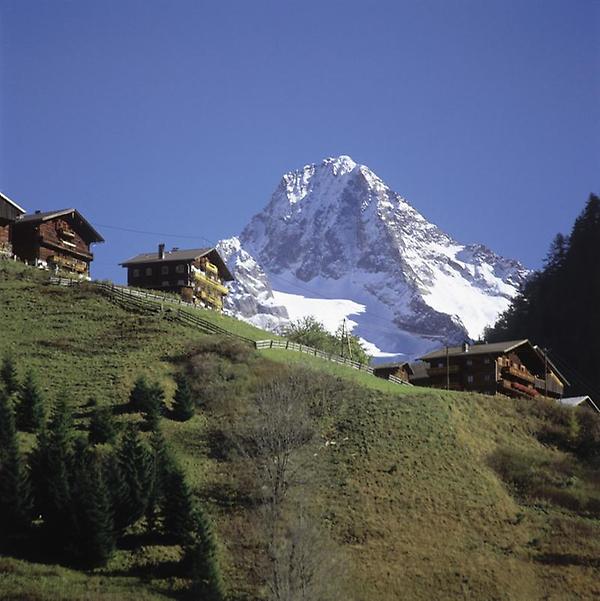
column 10, row 211
column 402, row 371
column 515, row 368
column 58, row 240
column 198, row 274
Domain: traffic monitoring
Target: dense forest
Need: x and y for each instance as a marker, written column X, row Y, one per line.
column 559, row 306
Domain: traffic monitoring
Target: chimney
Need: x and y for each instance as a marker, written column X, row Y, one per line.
column 161, row 251
column 465, row 347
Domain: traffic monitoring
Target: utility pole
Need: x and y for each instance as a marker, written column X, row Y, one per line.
column 447, row 367
column 546, row 372
column 342, row 339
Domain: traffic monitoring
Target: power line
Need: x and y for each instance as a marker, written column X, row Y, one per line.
column 313, row 292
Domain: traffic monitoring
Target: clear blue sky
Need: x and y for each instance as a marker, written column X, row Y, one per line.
column 181, row 116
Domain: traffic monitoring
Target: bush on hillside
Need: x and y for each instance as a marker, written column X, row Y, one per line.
column 311, row 332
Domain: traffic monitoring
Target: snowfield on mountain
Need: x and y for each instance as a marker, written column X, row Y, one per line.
column 336, row 242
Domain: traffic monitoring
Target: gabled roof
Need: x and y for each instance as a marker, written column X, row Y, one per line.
column 187, row 255
column 575, row 401
column 12, row 203
column 394, row 365
column 534, row 352
column 419, row 371
column 49, row 215
column 494, row 348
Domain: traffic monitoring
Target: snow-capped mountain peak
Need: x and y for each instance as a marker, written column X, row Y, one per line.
column 334, row 231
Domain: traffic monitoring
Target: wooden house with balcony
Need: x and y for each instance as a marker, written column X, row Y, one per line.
column 198, row 274
column 516, row 368
column 59, row 240
column 10, row 211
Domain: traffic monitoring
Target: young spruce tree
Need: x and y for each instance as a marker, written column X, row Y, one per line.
column 30, row 405
column 102, row 427
column 15, row 493
column 93, row 532
column 51, row 463
column 8, row 375
column 184, row 406
column 134, row 465
column 178, row 508
column 201, row 557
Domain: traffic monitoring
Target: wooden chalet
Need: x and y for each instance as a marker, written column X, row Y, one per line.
column 402, row 371
column 10, row 211
column 198, row 274
column 515, row 368
column 59, row 240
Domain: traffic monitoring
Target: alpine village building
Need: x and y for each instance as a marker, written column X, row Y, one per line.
column 59, row 240
column 198, row 274
column 516, row 368
column 10, row 211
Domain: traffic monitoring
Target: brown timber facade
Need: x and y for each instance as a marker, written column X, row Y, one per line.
column 515, row 368
column 199, row 274
column 9, row 213
column 59, row 240
column 403, row 371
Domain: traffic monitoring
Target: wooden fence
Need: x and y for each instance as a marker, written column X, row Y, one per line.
column 171, row 309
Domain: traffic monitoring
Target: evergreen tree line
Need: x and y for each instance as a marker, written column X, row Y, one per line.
column 74, row 497
column 559, row 307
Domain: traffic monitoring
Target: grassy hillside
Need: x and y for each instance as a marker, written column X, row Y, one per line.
column 420, row 494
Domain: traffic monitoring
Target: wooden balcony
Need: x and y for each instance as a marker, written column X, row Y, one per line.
column 551, row 386
column 517, row 389
column 515, row 372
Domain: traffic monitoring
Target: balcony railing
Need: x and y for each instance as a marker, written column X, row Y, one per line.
column 550, row 386
column 518, row 373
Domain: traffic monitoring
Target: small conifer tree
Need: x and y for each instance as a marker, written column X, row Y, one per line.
column 135, row 468
column 93, row 538
column 15, row 493
column 183, row 401
column 201, row 557
column 162, row 463
column 178, row 508
column 51, row 462
column 30, row 406
column 102, row 426
column 8, row 375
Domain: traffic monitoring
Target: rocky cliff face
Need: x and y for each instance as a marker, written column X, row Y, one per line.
column 336, row 241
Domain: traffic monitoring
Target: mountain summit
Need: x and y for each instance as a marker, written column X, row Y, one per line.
column 336, row 241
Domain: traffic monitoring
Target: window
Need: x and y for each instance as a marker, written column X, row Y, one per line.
column 440, row 364
column 486, row 360
column 180, row 283
column 165, row 283
column 148, row 270
column 164, row 269
column 487, row 377
column 180, row 268
column 469, row 361
column 470, row 379
column 136, row 273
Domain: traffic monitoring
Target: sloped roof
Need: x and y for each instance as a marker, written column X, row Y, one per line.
column 40, row 217
column 419, row 370
column 498, row 348
column 575, row 401
column 476, row 349
column 186, row 255
column 393, row 365
column 12, row 203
